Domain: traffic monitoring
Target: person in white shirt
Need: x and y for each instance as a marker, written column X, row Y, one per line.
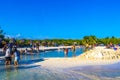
column 7, row 56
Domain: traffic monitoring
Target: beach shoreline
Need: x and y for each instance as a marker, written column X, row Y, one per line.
column 74, row 68
column 85, row 59
column 82, row 60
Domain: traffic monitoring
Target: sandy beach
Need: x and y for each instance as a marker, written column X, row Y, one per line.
column 84, row 59
column 97, row 56
column 73, row 62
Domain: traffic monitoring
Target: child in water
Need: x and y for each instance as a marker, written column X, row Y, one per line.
column 73, row 50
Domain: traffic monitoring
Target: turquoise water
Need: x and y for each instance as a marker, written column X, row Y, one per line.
column 31, row 72
column 35, row 72
column 28, row 71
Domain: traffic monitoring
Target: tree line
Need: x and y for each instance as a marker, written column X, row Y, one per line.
column 86, row 40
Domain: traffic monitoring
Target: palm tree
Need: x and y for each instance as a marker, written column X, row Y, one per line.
column 89, row 40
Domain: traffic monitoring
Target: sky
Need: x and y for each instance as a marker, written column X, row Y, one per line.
column 66, row 19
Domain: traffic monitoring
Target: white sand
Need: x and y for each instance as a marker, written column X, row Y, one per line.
column 82, row 60
column 72, row 62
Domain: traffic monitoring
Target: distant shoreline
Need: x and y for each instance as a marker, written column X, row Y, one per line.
column 42, row 48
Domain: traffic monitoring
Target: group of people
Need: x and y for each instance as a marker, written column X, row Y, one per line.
column 11, row 52
column 34, row 46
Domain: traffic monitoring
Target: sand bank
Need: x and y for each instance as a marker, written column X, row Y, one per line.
column 97, row 56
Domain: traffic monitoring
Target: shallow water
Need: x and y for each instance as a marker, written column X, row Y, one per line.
column 37, row 72
column 27, row 71
column 103, row 72
column 60, row 53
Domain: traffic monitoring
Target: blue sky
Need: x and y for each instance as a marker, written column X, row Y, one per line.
column 69, row 19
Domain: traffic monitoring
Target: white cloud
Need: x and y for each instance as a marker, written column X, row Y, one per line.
column 18, row 35
column 8, row 36
column 13, row 36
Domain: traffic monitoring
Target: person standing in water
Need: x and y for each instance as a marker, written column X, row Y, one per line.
column 73, row 50
column 7, row 56
column 73, row 47
column 66, row 51
column 26, row 51
column 17, row 56
column 37, row 47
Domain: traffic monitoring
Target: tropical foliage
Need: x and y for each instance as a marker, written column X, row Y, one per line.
column 86, row 41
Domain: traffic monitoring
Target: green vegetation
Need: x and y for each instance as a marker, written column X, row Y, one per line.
column 86, row 41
